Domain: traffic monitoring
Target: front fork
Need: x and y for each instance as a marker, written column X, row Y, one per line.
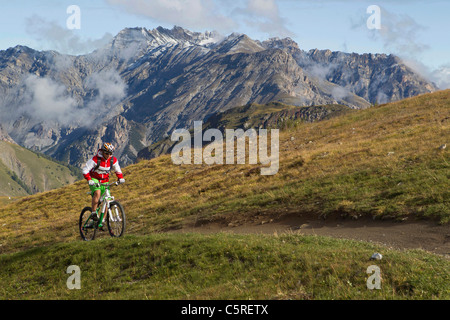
column 102, row 216
column 113, row 216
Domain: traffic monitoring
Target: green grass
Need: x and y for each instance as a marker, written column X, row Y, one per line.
column 381, row 162
column 222, row 266
column 25, row 172
column 8, row 183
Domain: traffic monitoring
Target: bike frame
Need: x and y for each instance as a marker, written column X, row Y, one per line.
column 105, row 202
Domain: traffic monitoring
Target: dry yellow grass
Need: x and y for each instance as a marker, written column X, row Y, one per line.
column 383, row 161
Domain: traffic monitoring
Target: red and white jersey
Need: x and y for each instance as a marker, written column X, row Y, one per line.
column 102, row 172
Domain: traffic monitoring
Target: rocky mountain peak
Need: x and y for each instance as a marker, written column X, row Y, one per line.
column 239, row 43
column 133, row 43
column 187, row 37
column 162, row 36
column 286, row 43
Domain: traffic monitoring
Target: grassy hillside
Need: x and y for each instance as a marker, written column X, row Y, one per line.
column 221, row 266
column 382, row 162
column 25, row 172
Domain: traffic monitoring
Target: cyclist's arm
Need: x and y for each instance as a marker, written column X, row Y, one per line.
column 87, row 169
column 117, row 169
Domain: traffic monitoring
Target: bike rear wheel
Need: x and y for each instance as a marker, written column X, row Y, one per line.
column 116, row 220
column 88, row 227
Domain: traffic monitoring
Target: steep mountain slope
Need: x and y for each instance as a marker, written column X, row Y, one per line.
column 4, row 136
column 146, row 83
column 25, row 172
column 377, row 78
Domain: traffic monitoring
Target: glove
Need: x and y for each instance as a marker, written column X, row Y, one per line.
column 121, row 181
column 91, row 182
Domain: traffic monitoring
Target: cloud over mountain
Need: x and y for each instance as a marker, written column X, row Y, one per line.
column 60, row 38
column 225, row 15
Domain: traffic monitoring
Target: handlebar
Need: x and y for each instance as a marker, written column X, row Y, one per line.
column 110, row 184
column 116, row 183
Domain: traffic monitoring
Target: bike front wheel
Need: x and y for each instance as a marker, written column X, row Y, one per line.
column 87, row 225
column 116, row 219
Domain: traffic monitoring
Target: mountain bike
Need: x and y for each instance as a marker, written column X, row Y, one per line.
column 111, row 213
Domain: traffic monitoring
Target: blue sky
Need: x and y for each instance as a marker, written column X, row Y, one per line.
column 418, row 31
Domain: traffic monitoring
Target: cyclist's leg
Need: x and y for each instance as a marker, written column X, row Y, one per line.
column 95, row 199
column 96, row 193
column 102, row 215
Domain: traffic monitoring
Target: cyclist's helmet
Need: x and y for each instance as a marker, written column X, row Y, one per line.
column 108, row 148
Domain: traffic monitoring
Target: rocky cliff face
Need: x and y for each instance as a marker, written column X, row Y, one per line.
column 377, row 78
column 4, row 136
column 146, row 83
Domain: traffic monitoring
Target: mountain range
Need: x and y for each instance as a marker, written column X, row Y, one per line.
column 145, row 83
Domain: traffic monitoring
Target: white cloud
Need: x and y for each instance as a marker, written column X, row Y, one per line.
column 340, row 93
column 60, row 38
column 109, row 89
column 321, row 71
column 264, row 16
column 440, row 76
column 220, row 15
column 266, row 8
column 193, row 14
column 47, row 100
column 43, row 100
column 400, row 35
column 381, row 98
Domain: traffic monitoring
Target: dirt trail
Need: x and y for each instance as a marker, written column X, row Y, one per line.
column 424, row 235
